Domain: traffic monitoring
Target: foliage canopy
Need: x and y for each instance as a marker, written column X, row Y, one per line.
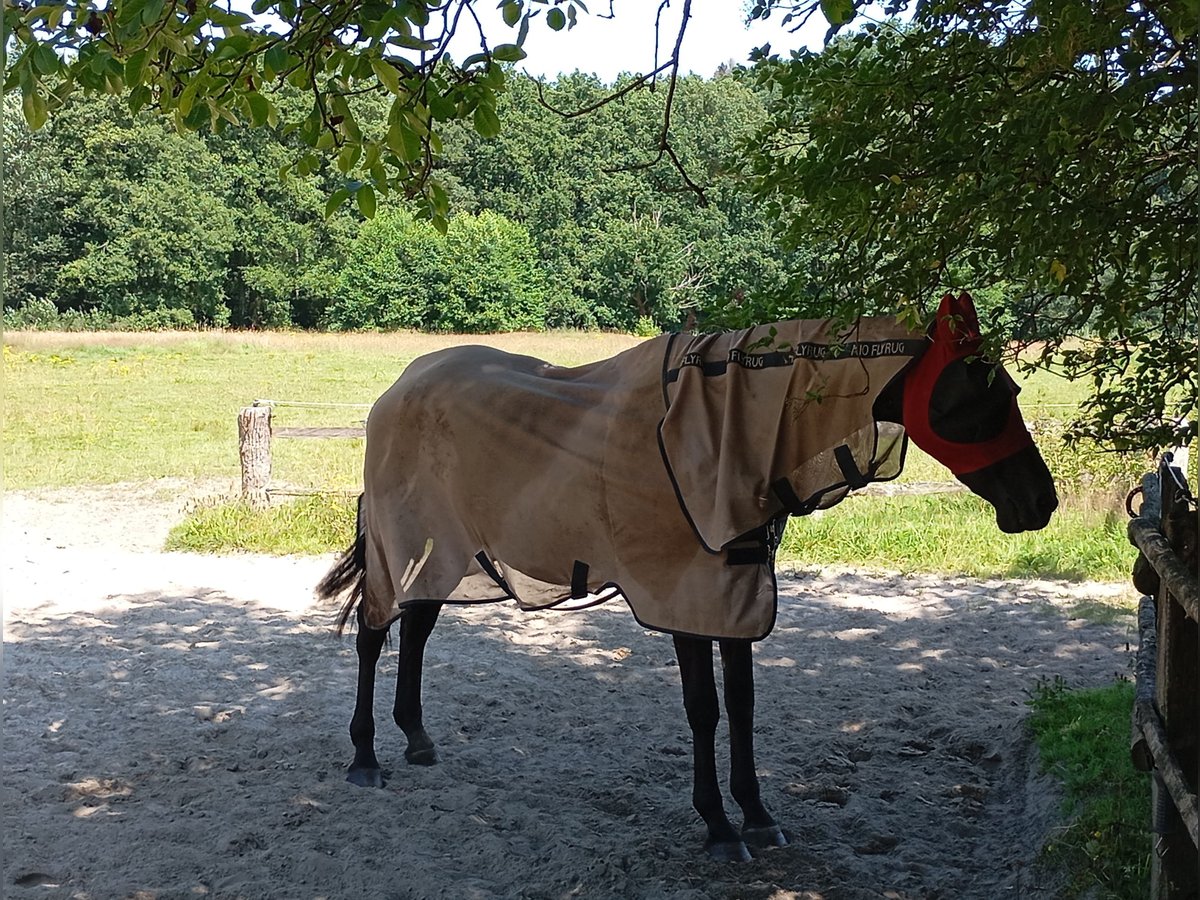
column 1042, row 154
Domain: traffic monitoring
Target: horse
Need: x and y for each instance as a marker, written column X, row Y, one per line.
column 662, row 476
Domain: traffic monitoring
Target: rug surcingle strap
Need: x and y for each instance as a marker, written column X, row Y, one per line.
column 845, row 460
column 579, row 580
column 791, row 502
column 493, row 573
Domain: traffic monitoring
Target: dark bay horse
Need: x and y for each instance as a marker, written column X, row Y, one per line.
column 663, row 476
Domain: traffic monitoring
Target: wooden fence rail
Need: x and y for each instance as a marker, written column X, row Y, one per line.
column 256, row 431
column 1166, row 711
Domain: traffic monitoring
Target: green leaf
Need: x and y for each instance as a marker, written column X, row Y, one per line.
column 838, row 12
column 340, row 196
column 349, row 155
column 275, row 60
column 404, row 142
column 154, row 10
column 387, row 75
column 232, row 47
column 139, row 97
column 409, row 42
column 487, row 123
column 511, row 13
column 556, row 19
column 129, row 10
column 442, row 107
column 187, row 97
column 508, row 53
column 33, row 105
column 45, row 60
column 366, row 201
column 260, row 108
column 135, row 67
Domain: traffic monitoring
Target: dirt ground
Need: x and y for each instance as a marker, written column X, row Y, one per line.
column 175, row 726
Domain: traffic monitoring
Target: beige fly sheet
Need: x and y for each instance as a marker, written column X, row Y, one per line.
column 659, row 476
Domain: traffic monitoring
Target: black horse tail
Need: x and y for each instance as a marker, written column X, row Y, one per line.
column 349, row 573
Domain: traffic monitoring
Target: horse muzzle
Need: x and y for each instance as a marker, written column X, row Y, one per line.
column 1020, row 488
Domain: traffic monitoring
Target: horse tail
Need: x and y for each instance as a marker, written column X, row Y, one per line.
column 349, row 573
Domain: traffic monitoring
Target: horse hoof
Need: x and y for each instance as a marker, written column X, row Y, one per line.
column 729, row 851
column 764, row 838
column 426, row 756
column 364, row 777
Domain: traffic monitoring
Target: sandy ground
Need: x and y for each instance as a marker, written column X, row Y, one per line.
column 175, row 727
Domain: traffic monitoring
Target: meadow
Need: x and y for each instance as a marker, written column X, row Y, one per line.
column 101, row 408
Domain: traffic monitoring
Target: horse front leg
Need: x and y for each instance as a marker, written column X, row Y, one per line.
column 364, row 771
column 415, row 627
column 758, row 828
column 703, row 713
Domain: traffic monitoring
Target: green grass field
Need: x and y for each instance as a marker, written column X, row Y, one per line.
column 101, row 408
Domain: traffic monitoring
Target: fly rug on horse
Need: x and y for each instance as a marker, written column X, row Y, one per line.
column 662, row 476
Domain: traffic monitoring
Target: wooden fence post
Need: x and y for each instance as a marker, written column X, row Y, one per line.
column 254, row 447
column 1174, row 868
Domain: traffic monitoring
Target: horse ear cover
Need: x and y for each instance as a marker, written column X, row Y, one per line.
column 955, row 336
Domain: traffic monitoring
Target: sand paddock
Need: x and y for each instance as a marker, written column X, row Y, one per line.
column 176, row 727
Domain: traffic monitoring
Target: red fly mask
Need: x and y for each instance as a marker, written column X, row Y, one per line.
column 958, row 408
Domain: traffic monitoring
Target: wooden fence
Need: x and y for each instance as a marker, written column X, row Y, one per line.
column 1166, row 711
column 256, row 431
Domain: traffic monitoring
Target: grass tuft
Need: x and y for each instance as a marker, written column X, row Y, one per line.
column 1083, row 740
column 316, row 524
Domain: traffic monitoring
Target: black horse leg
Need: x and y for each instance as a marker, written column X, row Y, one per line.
column 703, row 713
column 759, row 828
column 365, row 771
column 415, row 627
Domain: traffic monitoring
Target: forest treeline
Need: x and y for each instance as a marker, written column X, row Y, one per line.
column 117, row 220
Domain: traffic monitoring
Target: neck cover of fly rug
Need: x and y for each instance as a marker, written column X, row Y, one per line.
column 661, row 475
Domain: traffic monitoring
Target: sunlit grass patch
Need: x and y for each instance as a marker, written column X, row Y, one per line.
column 311, row 525
column 1083, row 740
column 957, row 533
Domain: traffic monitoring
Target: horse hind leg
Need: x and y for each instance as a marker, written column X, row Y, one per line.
column 415, row 627
column 364, row 771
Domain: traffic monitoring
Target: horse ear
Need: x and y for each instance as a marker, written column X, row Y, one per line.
column 968, row 318
column 957, row 320
column 945, row 326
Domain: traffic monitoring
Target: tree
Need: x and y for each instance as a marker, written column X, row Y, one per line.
column 111, row 219
column 482, row 275
column 593, row 195
column 1044, row 151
